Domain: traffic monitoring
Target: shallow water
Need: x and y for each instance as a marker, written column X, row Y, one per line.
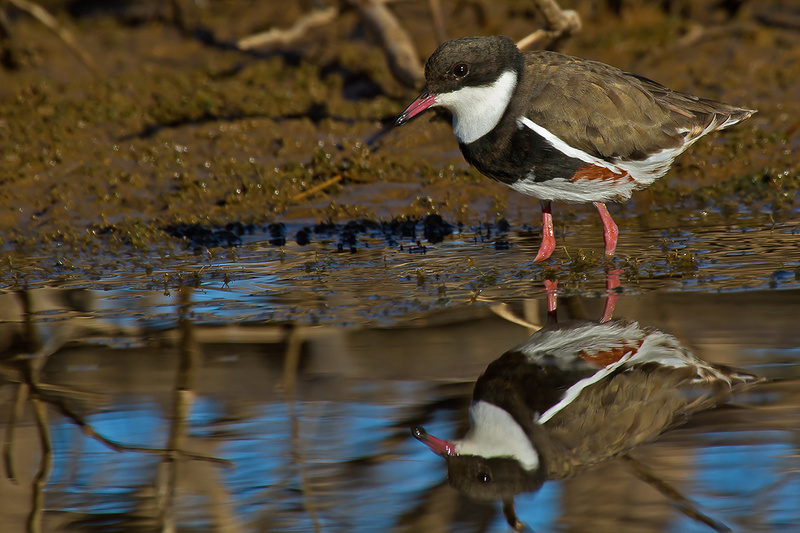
column 374, row 275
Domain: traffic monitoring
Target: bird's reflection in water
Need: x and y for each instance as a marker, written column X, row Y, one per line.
column 572, row 396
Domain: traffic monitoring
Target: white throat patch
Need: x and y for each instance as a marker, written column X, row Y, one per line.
column 476, row 110
column 495, row 433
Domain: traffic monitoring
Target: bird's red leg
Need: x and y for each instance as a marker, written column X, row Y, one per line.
column 610, row 230
column 548, row 237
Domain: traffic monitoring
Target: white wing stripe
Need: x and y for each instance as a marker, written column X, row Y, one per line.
column 643, row 172
column 566, row 149
column 575, row 390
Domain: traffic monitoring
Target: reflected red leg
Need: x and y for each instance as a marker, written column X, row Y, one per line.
column 612, row 282
column 610, row 230
column 550, row 288
column 548, row 237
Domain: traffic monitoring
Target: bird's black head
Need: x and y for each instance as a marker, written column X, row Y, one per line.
column 491, row 479
column 470, row 62
column 483, row 478
column 462, row 63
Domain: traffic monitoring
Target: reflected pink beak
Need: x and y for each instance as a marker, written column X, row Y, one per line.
column 438, row 446
column 423, row 102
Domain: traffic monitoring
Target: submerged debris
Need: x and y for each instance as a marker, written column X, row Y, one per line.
column 303, row 236
column 277, row 233
column 436, row 229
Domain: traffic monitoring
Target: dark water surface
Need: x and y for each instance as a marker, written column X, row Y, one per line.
column 300, row 427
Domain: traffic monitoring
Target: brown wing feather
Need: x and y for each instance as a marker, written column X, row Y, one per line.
column 616, row 415
column 611, row 114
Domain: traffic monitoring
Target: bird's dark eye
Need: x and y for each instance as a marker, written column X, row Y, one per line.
column 484, row 478
column 460, row 70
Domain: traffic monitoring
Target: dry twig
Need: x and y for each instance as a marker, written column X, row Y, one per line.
column 318, row 17
column 503, row 310
column 316, row 188
column 294, row 344
column 49, row 21
column 437, row 14
column 683, row 504
column 395, row 41
column 8, row 445
column 560, row 25
column 183, row 398
column 45, row 466
column 89, row 431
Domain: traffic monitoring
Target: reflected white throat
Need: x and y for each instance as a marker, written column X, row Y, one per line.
column 495, row 433
column 477, row 110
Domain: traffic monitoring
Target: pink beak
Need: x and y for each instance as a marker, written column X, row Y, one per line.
column 438, row 446
column 423, row 102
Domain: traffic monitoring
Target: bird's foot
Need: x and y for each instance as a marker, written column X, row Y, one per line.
column 545, row 250
column 548, row 235
column 610, row 229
